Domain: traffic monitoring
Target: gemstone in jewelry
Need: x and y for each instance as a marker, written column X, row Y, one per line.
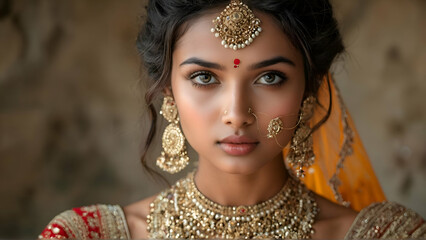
column 236, row 62
column 236, row 25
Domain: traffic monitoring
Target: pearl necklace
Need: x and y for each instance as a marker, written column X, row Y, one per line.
column 184, row 212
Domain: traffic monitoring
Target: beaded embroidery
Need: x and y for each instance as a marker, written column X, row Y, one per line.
column 91, row 222
column 183, row 212
column 387, row 220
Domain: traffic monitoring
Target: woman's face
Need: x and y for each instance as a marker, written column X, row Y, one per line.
column 213, row 97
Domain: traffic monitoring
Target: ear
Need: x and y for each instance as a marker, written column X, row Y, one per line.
column 167, row 91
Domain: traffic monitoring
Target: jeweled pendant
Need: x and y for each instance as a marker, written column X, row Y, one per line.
column 274, row 127
column 236, row 25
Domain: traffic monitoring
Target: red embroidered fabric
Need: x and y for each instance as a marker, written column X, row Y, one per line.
column 90, row 222
column 54, row 231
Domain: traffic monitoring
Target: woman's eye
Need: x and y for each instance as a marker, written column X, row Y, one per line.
column 203, row 78
column 271, row 79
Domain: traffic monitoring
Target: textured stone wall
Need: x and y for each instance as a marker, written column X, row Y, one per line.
column 72, row 114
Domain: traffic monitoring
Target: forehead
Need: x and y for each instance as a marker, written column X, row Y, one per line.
column 199, row 41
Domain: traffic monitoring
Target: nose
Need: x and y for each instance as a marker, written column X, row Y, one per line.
column 237, row 113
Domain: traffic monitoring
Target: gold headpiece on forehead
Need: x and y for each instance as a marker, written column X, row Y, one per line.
column 236, row 26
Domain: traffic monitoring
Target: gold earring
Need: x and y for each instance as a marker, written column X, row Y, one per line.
column 174, row 156
column 301, row 153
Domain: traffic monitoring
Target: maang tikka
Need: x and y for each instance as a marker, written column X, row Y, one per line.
column 174, row 156
column 301, row 153
column 236, row 25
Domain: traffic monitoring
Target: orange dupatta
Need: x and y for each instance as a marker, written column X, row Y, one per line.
column 342, row 171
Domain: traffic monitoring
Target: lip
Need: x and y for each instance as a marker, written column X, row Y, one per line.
column 238, row 145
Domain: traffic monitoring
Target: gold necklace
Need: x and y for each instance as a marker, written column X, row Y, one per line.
column 184, row 212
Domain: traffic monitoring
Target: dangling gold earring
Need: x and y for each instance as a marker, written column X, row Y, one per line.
column 174, row 156
column 301, row 153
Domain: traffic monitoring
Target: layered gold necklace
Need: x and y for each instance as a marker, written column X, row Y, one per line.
column 184, row 212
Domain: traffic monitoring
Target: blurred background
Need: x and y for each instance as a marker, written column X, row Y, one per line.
column 72, row 115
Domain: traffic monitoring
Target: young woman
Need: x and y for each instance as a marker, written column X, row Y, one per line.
column 241, row 81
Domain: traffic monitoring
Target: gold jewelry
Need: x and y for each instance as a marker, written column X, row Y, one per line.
column 301, row 152
column 249, row 111
column 275, row 126
column 236, row 25
column 184, row 212
column 174, row 157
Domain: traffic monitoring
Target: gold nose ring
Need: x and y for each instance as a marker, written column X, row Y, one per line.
column 249, row 111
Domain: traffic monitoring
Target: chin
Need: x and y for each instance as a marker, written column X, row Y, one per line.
column 239, row 166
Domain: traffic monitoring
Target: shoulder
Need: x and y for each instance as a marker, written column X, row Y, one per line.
column 140, row 214
column 136, row 217
column 333, row 220
column 387, row 220
column 95, row 221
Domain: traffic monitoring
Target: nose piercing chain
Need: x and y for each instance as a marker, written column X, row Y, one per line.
column 275, row 126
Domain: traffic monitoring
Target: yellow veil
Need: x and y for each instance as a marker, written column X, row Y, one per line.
column 342, row 171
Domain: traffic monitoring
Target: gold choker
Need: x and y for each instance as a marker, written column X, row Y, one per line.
column 184, row 212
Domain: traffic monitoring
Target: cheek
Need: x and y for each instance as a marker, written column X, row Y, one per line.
column 191, row 114
column 196, row 114
column 284, row 106
column 276, row 105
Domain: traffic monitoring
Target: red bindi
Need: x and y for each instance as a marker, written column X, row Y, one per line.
column 236, row 62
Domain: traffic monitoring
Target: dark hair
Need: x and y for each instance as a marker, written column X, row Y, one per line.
column 309, row 24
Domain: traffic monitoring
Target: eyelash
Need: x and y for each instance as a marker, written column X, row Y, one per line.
column 276, row 73
column 198, row 73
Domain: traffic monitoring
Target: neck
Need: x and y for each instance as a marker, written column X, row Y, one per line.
column 229, row 189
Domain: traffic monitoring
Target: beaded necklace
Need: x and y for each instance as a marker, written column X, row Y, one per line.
column 184, row 212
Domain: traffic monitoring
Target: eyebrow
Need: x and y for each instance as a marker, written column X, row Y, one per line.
column 202, row 63
column 266, row 63
column 272, row 61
